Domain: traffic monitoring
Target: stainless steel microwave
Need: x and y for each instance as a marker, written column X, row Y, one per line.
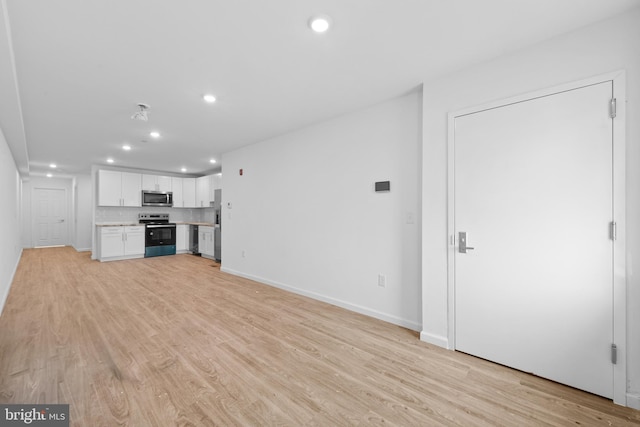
column 157, row 198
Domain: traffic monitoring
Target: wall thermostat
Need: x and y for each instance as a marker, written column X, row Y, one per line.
column 382, row 186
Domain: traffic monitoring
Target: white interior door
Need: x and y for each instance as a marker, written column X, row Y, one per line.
column 534, row 192
column 50, row 217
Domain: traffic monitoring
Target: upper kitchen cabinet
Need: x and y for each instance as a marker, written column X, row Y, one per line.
column 156, row 183
column 184, row 192
column 176, row 188
column 204, row 191
column 119, row 188
column 217, row 181
column 189, row 193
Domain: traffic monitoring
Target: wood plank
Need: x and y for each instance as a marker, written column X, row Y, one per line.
column 175, row 341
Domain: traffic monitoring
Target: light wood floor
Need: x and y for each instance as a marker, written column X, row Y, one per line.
column 173, row 341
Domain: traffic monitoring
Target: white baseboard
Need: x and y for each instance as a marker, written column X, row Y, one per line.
column 633, row 400
column 438, row 340
column 82, row 249
column 6, row 293
column 414, row 326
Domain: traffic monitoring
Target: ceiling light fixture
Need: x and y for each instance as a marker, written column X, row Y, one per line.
column 49, row 175
column 53, row 166
column 154, row 134
column 212, row 161
column 320, row 23
column 142, row 113
column 183, row 169
column 209, row 98
column 109, row 160
column 126, row 147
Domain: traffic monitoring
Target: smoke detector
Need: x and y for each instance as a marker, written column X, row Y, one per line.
column 142, row 114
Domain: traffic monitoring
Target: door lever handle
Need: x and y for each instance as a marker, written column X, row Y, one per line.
column 462, row 243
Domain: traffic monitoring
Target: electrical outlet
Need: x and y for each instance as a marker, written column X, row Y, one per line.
column 410, row 218
column 382, row 280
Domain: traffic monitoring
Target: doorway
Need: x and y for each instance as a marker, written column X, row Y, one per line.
column 49, row 213
column 532, row 187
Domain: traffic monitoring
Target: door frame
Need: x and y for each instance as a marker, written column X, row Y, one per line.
column 619, row 203
column 34, row 192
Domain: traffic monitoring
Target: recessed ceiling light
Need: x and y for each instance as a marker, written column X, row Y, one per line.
column 154, row 134
column 209, row 98
column 126, row 147
column 183, row 169
column 320, row 23
column 212, row 161
column 109, row 160
column 49, row 175
column 53, row 166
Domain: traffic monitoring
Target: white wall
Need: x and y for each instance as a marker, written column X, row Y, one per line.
column 609, row 46
column 307, row 219
column 10, row 247
column 82, row 197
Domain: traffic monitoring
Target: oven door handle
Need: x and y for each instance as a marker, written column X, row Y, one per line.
column 161, row 226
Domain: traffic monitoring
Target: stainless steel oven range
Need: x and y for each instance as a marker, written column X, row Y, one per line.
column 160, row 234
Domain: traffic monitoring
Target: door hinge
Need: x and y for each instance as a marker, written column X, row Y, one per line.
column 612, row 108
column 613, row 230
column 614, row 354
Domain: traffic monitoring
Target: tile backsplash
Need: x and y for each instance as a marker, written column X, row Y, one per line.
column 112, row 214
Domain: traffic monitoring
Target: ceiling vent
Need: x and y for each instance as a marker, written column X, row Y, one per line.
column 142, row 114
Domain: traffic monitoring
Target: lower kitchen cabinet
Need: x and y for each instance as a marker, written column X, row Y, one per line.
column 205, row 241
column 121, row 242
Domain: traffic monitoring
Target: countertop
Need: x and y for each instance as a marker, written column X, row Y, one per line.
column 134, row 223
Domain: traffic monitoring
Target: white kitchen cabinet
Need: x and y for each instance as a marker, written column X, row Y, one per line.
column 131, row 191
column 205, row 241
column 119, row 188
column 149, row 182
column 189, row 193
column 178, row 194
column 217, row 181
column 121, row 242
column 134, row 240
column 111, row 243
column 156, row 183
column 182, row 238
column 203, row 191
column 184, row 192
column 109, row 188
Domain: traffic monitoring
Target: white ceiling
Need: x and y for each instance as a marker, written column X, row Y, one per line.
column 72, row 71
